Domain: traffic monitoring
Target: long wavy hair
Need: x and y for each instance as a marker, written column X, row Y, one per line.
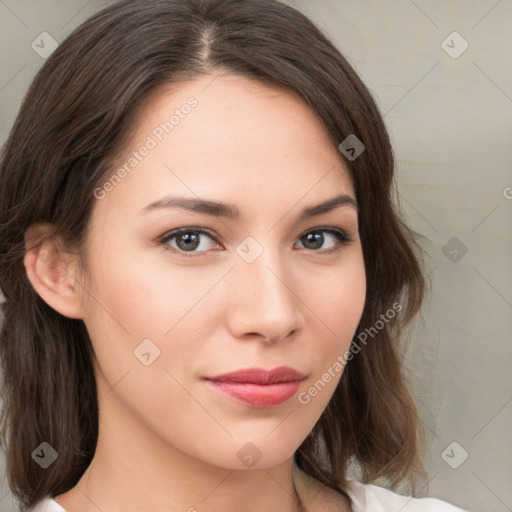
column 75, row 120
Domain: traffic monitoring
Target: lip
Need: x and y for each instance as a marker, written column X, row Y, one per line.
column 258, row 387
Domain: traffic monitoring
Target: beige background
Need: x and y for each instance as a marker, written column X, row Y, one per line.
column 450, row 122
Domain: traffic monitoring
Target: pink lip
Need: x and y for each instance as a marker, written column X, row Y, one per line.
column 258, row 387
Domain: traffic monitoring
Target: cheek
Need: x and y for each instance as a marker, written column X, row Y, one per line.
column 338, row 301
column 145, row 298
column 337, row 306
column 140, row 325
column 133, row 303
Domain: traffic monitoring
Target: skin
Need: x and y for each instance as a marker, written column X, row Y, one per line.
column 166, row 440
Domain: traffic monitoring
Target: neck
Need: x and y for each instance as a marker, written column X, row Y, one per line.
column 105, row 487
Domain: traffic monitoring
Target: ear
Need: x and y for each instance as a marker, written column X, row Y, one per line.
column 52, row 270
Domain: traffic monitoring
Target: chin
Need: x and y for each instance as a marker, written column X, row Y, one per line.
column 242, row 455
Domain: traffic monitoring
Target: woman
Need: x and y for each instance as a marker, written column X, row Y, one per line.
column 205, row 276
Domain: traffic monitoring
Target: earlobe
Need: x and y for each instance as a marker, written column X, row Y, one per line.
column 51, row 271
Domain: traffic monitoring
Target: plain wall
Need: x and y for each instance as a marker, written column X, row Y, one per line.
column 449, row 118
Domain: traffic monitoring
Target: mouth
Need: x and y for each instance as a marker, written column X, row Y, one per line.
column 258, row 387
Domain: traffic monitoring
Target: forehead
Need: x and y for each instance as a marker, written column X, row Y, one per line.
column 226, row 136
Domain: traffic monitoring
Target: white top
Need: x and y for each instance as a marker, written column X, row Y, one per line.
column 365, row 498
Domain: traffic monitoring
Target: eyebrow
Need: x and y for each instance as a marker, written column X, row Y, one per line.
column 230, row 211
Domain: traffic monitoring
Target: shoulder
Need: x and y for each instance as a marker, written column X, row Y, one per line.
column 369, row 497
column 47, row 505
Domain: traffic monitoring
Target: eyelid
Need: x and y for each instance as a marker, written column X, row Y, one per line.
column 187, row 229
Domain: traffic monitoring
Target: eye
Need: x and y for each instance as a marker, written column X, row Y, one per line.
column 315, row 240
column 188, row 240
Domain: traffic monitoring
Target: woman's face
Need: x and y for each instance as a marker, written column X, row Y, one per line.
column 165, row 315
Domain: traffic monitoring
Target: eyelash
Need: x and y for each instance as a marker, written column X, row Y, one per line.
column 343, row 238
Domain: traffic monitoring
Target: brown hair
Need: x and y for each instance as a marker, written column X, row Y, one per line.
column 73, row 122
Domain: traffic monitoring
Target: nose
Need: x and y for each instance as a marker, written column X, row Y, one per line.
column 263, row 302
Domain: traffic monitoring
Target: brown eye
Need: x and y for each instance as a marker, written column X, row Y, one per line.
column 189, row 240
column 315, row 240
